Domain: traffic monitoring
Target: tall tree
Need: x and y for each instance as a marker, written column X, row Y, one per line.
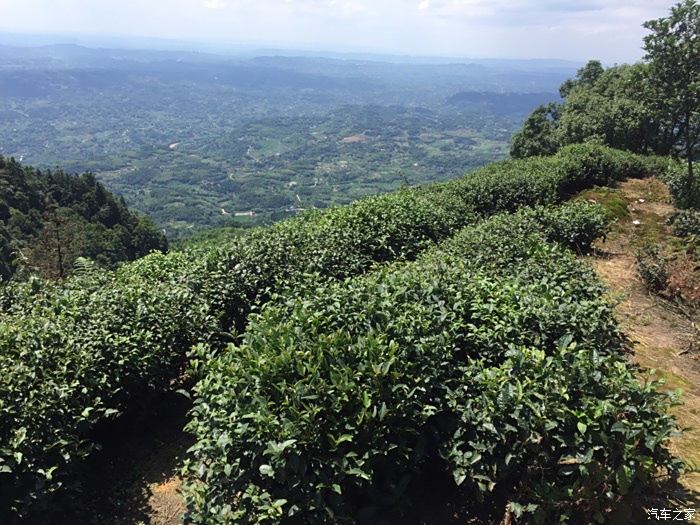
column 586, row 76
column 673, row 54
column 612, row 108
column 538, row 136
column 47, row 219
column 58, row 244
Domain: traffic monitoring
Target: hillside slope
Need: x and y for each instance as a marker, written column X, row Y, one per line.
column 128, row 333
column 142, row 471
column 48, row 219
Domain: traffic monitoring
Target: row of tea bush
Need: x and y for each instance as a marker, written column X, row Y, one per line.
column 79, row 352
column 493, row 359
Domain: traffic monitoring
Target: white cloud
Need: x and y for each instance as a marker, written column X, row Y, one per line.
column 215, row 4
column 607, row 29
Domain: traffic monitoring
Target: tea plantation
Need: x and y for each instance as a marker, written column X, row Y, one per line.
column 481, row 347
column 493, row 358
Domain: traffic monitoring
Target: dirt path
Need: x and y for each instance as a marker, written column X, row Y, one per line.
column 154, row 479
column 662, row 332
column 134, row 479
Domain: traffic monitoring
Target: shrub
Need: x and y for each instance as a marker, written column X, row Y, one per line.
column 588, row 165
column 653, row 268
column 685, row 223
column 336, row 401
column 676, row 178
column 568, row 436
column 576, row 225
column 77, row 357
column 82, row 351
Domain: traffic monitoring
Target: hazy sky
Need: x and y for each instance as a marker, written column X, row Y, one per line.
column 605, row 29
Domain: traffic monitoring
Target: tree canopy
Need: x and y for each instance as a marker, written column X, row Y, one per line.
column 649, row 107
column 673, row 54
column 48, row 219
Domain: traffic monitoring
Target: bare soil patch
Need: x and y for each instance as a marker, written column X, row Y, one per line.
column 663, row 332
column 354, row 139
column 134, row 480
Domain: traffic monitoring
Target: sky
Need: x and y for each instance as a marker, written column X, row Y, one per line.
column 609, row 30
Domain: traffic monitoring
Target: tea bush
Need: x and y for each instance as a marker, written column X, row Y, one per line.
column 685, row 223
column 652, row 267
column 565, row 437
column 676, row 178
column 336, row 401
column 576, row 225
column 78, row 352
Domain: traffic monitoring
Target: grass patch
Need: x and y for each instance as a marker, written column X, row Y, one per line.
column 652, row 229
column 653, row 190
column 672, row 381
column 612, row 200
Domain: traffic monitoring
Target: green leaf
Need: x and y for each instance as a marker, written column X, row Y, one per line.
column 345, row 438
column 623, row 478
column 516, row 508
column 267, row 470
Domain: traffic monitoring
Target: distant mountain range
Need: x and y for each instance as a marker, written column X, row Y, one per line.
column 258, row 131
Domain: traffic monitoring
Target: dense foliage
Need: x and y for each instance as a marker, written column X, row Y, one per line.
column 603, row 105
column 493, row 357
column 648, row 107
column 49, row 219
column 685, row 223
column 76, row 353
column 673, row 54
column 676, row 179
